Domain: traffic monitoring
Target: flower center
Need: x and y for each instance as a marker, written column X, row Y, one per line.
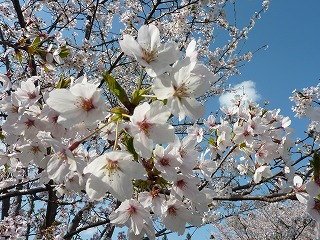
column 181, row 184
column 181, row 91
column 112, row 165
column 132, row 210
column 144, row 126
column 148, row 56
column 35, row 149
column 31, row 95
column 164, row 161
column 29, row 123
column 86, row 104
column 172, row 210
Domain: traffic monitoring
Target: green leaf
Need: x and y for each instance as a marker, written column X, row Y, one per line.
column 136, row 96
column 63, row 83
column 118, row 111
column 117, row 90
column 36, row 42
column 19, row 56
column 130, row 148
column 64, row 52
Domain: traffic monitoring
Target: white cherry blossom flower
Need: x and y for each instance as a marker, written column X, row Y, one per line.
column 196, row 131
column 165, row 160
column 262, row 171
column 83, row 103
column 175, row 216
column 112, row 172
column 300, row 190
column 132, row 214
column 191, row 51
column 28, row 93
column 149, row 125
column 149, row 52
column 186, row 82
column 152, row 199
column 185, row 186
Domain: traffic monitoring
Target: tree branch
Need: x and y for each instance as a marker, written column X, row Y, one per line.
column 68, row 235
column 277, row 197
column 22, row 192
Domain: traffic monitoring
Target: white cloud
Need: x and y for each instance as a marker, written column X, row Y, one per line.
column 246, row 87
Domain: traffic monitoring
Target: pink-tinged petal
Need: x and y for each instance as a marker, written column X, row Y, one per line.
column 139, row 113
column 191, row 51
column 96, row 166
column 175, row 107
column 197, row 86
column 130, row 46
column 158, row 113
column 182, row 72
column 119, row 217
column 297, row 181
column 156, row 68
column 313, row 189
column 83, row 90
column 120, row 185
column 313, row 209
column 149, row 37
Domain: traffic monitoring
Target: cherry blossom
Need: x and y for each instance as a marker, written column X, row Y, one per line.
column 149, row 52
column 131, row 213
column 175, row 216
column 82, row 103
column 112, row 172
column 99, row 130
column 149, row 125
column 186, row 82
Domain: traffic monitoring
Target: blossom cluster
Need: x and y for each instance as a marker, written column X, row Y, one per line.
column 122, row 121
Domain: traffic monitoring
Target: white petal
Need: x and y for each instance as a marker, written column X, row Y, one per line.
column 130, row 47
column 192, row 108
column 162, row 133
column 149, row 37
column 61, row 100
column 143, row 145
column 162, row 87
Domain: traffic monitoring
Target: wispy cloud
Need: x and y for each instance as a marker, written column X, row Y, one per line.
column 246, row 87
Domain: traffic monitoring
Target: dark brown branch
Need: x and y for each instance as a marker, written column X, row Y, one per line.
column 18, row 184
column 51, row 207
column 76, row 220
column 22, row 192
column 277, row 197
column 5, row 208
column 68, row 235
column 31, row 62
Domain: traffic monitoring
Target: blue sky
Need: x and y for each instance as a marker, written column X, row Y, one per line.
column 290, row 62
